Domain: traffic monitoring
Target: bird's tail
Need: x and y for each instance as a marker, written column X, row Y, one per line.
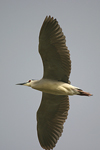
column 82, row 93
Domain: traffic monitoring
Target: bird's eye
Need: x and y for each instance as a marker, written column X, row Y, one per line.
column 29, row 81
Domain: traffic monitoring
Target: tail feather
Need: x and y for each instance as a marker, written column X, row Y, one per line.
column 82, row 93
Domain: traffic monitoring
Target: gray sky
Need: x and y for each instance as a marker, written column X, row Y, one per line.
column 20, row 23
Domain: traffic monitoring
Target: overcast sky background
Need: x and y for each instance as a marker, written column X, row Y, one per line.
column 20, row 23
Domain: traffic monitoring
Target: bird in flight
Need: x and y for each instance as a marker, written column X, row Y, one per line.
column 55, row 84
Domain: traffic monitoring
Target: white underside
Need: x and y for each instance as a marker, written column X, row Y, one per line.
column 54, row 87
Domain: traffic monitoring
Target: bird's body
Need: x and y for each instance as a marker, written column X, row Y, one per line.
column 54, row 85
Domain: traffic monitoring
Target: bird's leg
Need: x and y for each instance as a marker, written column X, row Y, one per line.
column 82, row 93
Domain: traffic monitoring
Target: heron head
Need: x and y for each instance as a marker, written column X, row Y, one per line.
column 28, row 83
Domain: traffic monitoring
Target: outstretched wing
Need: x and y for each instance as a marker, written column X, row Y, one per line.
column 54, row 53
column 51, row 116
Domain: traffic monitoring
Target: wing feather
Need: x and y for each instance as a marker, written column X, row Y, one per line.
column 53, row 109
column 51, row 116
column 54, row 52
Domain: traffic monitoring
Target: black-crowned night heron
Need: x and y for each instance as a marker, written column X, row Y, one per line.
column 55, row 85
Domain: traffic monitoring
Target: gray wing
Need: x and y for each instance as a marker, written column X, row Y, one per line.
column 54, row 53
column 51, row 116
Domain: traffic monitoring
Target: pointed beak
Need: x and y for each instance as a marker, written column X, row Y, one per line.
column 22, row 83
